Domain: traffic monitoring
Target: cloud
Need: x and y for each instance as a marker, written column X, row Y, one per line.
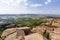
column 19, row 6
column 11, row 6
column 31, row 5
column 25, row 0
column 36, row 5
column 47, row 2
column 10, row 2
column 26, row 4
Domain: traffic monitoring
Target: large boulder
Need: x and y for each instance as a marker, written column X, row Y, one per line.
column 8, row 32
column 35, row 36
column 16, row 35
column 12, row 33
column 12, row 30
column 26, row 30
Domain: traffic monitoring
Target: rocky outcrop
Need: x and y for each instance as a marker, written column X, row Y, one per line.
column 52, row 27
column 39, row 29
column 19, row 34
column 55, row 35
column 56, row 23
column 10, row 34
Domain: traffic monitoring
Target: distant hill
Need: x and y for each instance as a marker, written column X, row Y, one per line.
column 47, row 15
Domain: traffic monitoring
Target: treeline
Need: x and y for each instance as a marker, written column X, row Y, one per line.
column 29, row 22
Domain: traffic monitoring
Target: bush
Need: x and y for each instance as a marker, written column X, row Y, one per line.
column 46, row 35
column 1, row 33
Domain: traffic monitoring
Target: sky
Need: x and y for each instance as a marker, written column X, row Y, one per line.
column 29, row 6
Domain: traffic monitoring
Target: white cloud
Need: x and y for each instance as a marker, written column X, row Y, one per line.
column 10, row 2
column 36, row 5
column 26, row 4
column 47, row 2
column 11, row 6
column 25, row 0
column 15, row 6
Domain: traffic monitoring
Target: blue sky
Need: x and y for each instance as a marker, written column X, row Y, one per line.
column 29, row 6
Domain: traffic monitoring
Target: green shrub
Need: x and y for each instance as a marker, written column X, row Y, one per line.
column 46, row 35
column 1, row 33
